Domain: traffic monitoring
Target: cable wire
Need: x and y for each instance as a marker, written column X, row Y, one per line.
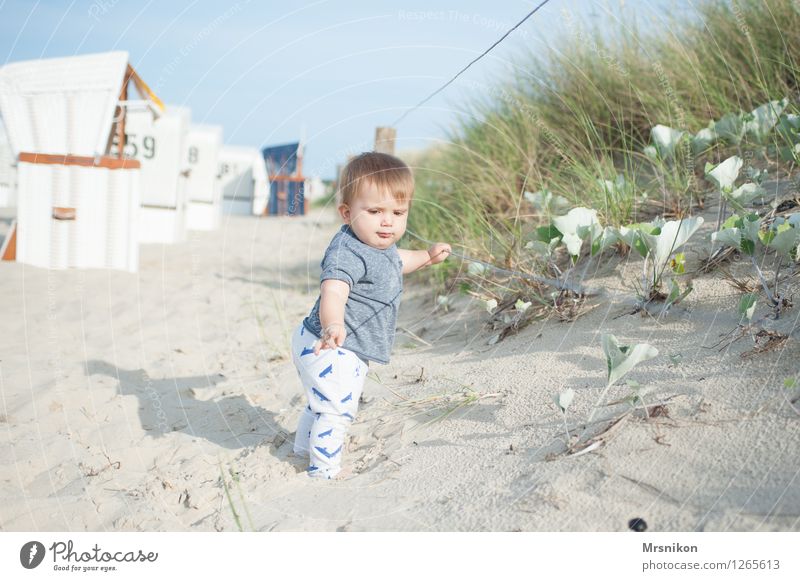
column 472, row 62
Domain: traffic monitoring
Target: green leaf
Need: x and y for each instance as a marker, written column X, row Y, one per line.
column 734, row 221
column 726, row 173
column 607, row 238
column 665, row 141
column 620, row 359
column 672, row 236
column 766, row 236
column 521, row 305
column 675, row 294
column 764, row 118
column 730, row 128
column 747, row 305
column 543, row 249
column 787, row 153
column 702, row 140
column 564, row 399
column 744, row 194
column 751, row 226
column 729, row 237
column 748, row 247
column 786, row 238
column 674, row 291
column 640, row 245
column 678, row 263
column 547, row 233
column 640, row 236
column 789, row 130
column 576, row 226
column 790, row 383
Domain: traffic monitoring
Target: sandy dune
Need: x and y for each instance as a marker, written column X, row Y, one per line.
column 164, row 400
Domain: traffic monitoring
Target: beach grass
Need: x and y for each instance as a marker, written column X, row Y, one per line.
column 582, row 112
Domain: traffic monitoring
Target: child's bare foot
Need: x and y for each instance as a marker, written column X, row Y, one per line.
column 345, row 473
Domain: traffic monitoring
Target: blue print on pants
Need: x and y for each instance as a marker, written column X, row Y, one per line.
column 319, row 394
column 332, row 402
column 326, row 453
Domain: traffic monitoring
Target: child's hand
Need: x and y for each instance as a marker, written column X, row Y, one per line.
column 332, row 336
column 439, row 252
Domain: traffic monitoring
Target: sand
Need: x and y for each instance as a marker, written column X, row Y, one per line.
column 165, row 401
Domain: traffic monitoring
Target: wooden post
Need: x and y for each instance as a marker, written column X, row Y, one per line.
column 123, row 96
column 384, row 139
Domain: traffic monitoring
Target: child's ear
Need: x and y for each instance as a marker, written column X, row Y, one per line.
column 344, row 212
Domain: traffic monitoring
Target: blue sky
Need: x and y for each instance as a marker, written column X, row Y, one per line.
column 269, row 72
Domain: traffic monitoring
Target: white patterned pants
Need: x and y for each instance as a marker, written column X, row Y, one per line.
column 333, row 381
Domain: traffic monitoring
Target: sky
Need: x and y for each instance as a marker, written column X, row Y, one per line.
column 326, row 71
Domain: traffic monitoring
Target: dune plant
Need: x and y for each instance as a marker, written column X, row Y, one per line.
column 725, row 175
column 760, row 122
column 575, row 227
column 788, row 130
column 231, row 504
column 703, row 140
column 658, row 242
column 746, row 233
column 548, row 203
column 756, row 126
column 577, row 230
column 563, row 401
column 666, row 142
column 620, row 360
column 672, row 154
column 747, row 306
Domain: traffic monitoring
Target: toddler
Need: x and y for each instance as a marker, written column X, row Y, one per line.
column 353, row 321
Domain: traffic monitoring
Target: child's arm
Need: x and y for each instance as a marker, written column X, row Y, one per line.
column 416, row 259
column 332, row 298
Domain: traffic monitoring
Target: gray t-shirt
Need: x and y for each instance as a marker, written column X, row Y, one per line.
column 375, row 278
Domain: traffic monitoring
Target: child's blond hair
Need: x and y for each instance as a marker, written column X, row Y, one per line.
column 384, row 171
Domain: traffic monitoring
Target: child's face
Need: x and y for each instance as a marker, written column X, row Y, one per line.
column 376, row 217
